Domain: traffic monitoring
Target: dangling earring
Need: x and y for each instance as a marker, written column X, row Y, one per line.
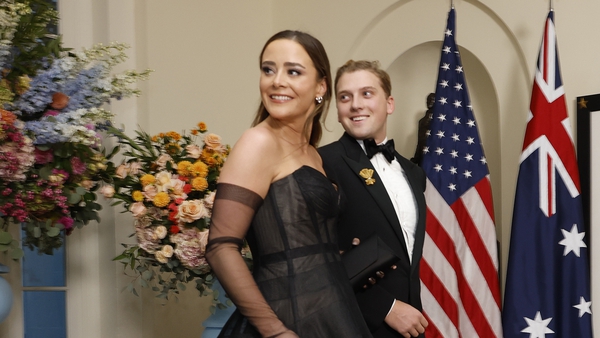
column 319, row 99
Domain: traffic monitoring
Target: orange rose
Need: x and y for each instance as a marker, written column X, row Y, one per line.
column 59, row 101
column 213, row 141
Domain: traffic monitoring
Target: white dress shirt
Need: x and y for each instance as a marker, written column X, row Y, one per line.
column 397, row 186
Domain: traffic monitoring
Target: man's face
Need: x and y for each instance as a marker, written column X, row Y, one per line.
column 363, row 106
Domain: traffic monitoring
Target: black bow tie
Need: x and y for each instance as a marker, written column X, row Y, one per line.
column 386, row 149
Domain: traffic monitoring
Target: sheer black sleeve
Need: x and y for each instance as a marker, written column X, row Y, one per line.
column 233, row 210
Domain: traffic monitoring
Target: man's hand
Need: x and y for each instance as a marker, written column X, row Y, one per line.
column 355, row 242
column 378, row 274
column 406, row 320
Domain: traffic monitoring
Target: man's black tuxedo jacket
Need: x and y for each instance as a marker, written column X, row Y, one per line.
column 367, row 209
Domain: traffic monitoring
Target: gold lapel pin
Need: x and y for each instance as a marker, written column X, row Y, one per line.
column 367, row 174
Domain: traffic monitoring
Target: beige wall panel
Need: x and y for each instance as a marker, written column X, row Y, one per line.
column 205, row 57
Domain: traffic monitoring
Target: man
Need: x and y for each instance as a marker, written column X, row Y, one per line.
column 424, row 123
column 388, row 201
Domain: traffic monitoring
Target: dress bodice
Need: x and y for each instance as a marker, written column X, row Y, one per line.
column 296, row 261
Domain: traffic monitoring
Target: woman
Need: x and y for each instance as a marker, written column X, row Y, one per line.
column 273, row 191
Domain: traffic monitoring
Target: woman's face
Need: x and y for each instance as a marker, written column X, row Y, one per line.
column 289, row 82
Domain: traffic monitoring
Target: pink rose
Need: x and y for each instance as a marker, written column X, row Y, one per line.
column 134, row 167
column 161, row 232
column 209, row 200
column 122, row 171
column 149, row 192
column 87, row 184
column 203, row 239
column 163, row 180
column 176, row 191
column 138, row 209
column 107, row 191
column 167, row 250
column 162, row 160
column 193, row 151
column 160, row 257
column 213, row 142
column 190, row 211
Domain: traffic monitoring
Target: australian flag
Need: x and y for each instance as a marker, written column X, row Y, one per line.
column 548, row 283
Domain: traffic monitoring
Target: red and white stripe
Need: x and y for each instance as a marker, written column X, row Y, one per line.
column 459, row 270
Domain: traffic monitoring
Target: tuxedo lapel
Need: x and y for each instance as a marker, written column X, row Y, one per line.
column 415, row 186
column 357, row 160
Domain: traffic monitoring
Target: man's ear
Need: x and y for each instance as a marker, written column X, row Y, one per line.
column 391, row 105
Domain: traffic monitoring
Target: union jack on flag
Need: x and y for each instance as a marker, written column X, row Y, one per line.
column 459, row 270
column 547, row 284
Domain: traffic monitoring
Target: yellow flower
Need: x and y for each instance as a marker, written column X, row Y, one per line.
column 199, row 183
column 184, row 167
column 202, row 127
column 161, row 199
column 174, row 135
column 6, row 95
column 199, row 169
column 155, row 138
column 147, row 179
column 23, row 84
column 194, row 132
column 212, row 158
column 137, row 196
column 172, row 148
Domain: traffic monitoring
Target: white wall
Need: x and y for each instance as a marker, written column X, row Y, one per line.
column 205, row 57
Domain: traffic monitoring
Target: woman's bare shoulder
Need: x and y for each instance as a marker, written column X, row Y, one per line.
column 252, row 161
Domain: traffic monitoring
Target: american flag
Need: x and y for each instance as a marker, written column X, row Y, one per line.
column 459, row 269
column 547, row 284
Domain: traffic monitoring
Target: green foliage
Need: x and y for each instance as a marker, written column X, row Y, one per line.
column 33, row 42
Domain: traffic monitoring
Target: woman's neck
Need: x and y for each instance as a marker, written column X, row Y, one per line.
column 291, row 133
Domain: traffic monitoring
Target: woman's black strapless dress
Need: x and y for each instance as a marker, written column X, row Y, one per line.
column 296, row 262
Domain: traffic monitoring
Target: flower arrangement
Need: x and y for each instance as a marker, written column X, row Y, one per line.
column 51, row 127
column 167, row 182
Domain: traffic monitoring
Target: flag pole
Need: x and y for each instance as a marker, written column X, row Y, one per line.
column 551, row 5
column 452, row 4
